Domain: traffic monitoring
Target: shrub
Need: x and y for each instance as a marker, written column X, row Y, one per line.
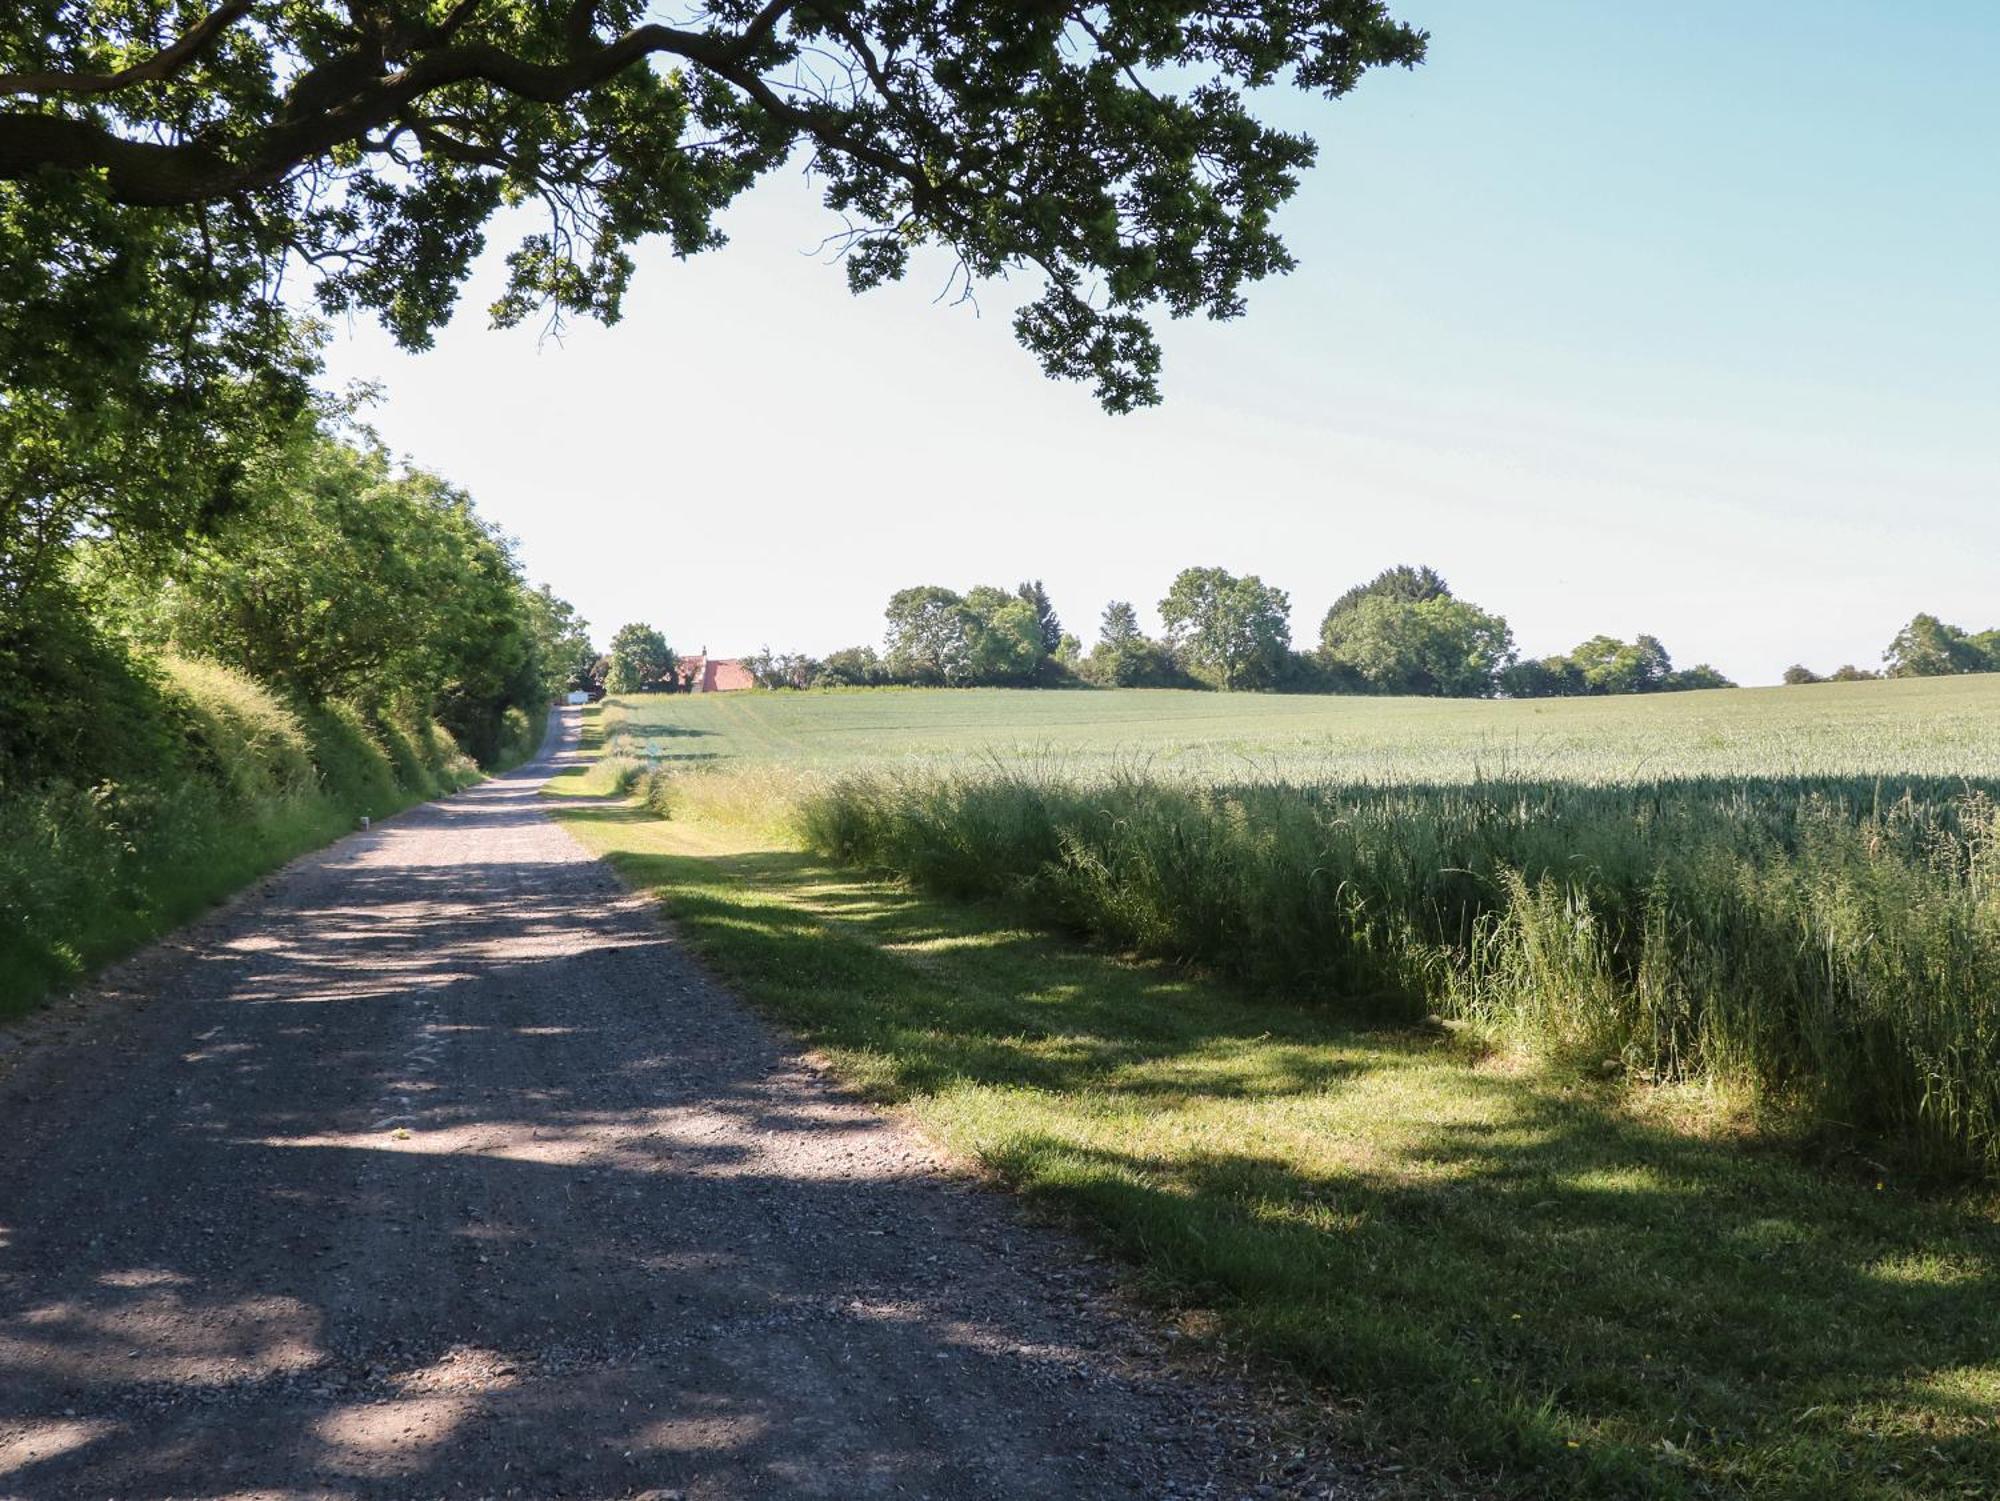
column 520, row 737
column 354, row 766
column 427, row 759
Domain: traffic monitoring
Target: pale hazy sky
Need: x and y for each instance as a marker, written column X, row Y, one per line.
column 1626, row 318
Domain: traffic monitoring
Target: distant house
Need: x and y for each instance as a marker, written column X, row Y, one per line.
column 702, row 673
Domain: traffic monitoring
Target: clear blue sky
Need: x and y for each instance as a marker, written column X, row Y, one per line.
column 1680, row 319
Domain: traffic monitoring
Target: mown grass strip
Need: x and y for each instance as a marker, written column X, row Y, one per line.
column 1497, row 1273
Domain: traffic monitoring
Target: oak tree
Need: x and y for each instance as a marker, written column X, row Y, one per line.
column 1235, row 631
column 640, row 659
column 1111, row 149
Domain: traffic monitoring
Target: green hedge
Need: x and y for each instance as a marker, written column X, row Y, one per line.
column 228, row 783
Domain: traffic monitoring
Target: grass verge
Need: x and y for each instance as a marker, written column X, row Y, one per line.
column 1826, row 947
column 1495, row 1274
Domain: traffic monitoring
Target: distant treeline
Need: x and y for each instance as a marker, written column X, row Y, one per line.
column 1402, row 632
column 1925, row 648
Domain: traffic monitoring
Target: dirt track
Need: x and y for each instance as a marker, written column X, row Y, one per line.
column 435, row 1168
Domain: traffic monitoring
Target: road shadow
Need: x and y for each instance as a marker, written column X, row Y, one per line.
column 1563, row 1286
column 441, row 1169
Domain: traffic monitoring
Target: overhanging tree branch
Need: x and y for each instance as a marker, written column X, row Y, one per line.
column 161, row 175
column 162, row 64
column 383, row 134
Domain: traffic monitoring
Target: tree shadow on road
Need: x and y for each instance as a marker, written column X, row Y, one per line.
column 459, row 1177
column 1500, row 1269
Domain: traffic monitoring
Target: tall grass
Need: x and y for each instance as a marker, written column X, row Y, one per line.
column 1830, row 946
column 237, row 782
column 761, row 795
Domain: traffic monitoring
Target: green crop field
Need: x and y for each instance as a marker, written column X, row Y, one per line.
column 1591, row 1098
column 1938, row 727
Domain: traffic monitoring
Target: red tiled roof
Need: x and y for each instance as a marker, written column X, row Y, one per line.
column 715, row 674
column 727, row 676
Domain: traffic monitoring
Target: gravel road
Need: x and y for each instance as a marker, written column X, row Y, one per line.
column 433, row 1167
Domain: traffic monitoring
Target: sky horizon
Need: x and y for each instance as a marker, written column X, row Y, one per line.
column 1625, row 323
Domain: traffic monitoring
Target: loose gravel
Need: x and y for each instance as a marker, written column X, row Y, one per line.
column 434, row 1167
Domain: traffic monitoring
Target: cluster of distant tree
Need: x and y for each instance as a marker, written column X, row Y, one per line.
column 1604, row 664
column 1925, row 648
column 640, row 661
column 1403, row 631
column 936, row 637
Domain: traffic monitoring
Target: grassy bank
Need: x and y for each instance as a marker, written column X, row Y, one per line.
column 224, row 783
column 1553, row 1286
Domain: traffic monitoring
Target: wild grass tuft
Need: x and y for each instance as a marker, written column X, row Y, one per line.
column 1831, row 946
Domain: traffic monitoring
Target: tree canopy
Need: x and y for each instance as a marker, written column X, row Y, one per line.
column 344, row 580
column 1112, row 150
column 1236, row 631
column 640, row 658
column 1119, row 625
column 1125, row 658
column 1927, row 647
column 987, row 635
column 929, row 636
column 1405, row 583
column 562, row 641
column 1004, row 634
column 1048, row 624
column 1404, row 632
column 1433, row 644
column 344, row 576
